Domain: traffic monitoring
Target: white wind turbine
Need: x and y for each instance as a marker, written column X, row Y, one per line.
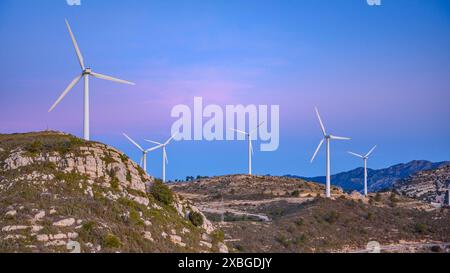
column 144, row 152
column 165, row 159
column 364, row 157
column 327, row 138
column 250, row 146
column 85, row 72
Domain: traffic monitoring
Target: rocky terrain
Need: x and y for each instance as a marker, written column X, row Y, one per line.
column 430, row 186
column 378, row 180
column 279, row 214
column 59, row 193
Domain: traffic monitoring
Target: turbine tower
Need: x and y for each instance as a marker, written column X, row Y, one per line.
column 144, row 152
column 326, row 138
column 250, row 146
column 86, row 72
column 365, row 158
column 165, row 159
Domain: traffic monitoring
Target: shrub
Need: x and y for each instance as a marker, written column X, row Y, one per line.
column 299, row 222
column 196, row 218
column 34, row 148
column 331, row 217
column 135, row 218
column 161, row 192
column 115, row 183
column 436, row 249
column 393, row 198
column 218, row 235
column 295, row 193
column 88, row 226
column 282, row 240
column 111, row 241
column 300, row 239
column 420, row 228
column 378, row 197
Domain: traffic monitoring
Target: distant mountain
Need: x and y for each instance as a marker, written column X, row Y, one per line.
column 429, row 186
column 378, row 180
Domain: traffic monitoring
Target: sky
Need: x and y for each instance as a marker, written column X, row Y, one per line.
column 378, row 74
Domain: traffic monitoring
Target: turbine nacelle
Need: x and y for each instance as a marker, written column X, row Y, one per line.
column 87, row 71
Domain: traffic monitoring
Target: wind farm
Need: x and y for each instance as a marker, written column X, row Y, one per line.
column 232, row 104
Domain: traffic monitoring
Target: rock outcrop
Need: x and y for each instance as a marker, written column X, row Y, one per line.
column 58, row 192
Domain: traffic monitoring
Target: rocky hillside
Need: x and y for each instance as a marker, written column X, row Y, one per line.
column 279, row 214
column 430, row 186
column 378, row 180
column 58, row 192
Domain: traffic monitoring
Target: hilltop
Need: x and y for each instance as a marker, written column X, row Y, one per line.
column 378, row 180
column 57, row 189
column 280, row 214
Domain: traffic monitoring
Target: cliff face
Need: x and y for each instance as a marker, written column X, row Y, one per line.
column 429, row 186
column 58, row 191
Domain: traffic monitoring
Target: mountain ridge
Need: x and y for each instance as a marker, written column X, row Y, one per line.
column 378, row 179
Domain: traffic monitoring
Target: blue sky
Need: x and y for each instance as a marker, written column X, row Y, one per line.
column 377, row 74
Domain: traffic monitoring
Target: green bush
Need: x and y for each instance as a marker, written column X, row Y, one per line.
column 299, row 222
column 331, row 217
column 420, row 228
column 115, row 183
column 196, row 218
column 218, row 235
column 393, row 198
column 135, row 218
column 295, row 193
column 161, row 192
column 34, row 148
column 111, row 241
column 378, row 197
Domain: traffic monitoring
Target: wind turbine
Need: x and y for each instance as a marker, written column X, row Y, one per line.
column 364, row 157
column 86, row 72
column 163, row 146
column 250, row 146
column 327, row 138
column 144, row 152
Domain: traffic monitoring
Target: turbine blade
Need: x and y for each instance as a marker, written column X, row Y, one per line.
column 257, row 127
column 238, row 131
column 154, row 142
column 134, row 142
column 317, row 150
column 142, row 161
column 371, row 151
column 171, row 138
column 355, row 154
column 340, row 138
column 61, row 97
column 109, row 78
column 75, row 44
column 321, row 123
column 153, row 148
